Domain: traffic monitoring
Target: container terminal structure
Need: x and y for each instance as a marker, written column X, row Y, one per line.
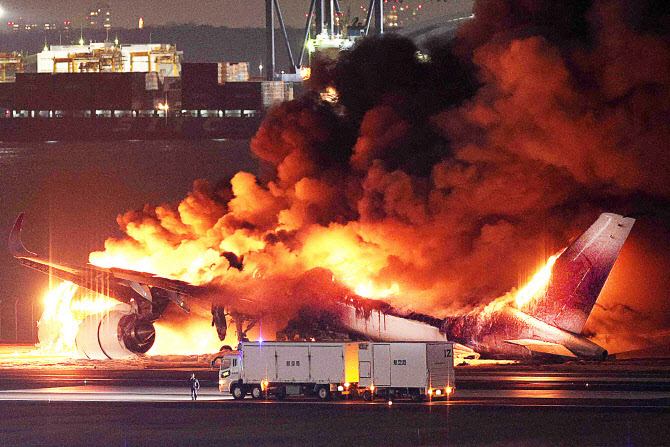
column 206, row 100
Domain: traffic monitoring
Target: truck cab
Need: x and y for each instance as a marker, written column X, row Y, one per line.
column 230, row 371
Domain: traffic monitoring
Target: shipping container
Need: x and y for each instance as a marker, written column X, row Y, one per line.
column 113, row 91
column 196, row 76
column 7, row 97
column 73, row 91
column 240, row 96
column 233, row 72
column 34, row 91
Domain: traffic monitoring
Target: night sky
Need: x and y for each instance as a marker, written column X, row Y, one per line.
column 219, row 13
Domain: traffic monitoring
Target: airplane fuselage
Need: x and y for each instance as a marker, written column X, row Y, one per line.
column 491, row 335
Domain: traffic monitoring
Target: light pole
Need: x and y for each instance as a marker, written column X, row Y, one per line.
column 16, row 320
column 165, row 107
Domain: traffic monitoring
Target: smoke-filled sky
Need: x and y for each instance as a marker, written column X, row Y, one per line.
column 231, row 13
column 440, row 185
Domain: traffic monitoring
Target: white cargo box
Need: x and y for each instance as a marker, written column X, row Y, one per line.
column 293, row 362
column 406, row 365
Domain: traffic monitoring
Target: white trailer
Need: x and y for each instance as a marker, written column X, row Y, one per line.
column 418, row 370
column 287, row 368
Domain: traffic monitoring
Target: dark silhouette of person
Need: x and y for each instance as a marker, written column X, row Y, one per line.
column 195, row 386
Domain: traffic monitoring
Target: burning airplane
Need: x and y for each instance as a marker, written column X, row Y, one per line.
column 419, row 190
column 545, row 318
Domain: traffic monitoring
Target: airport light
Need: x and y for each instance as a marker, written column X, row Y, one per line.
column 164, row 107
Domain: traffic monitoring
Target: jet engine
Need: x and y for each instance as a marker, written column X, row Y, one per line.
column 117, row 334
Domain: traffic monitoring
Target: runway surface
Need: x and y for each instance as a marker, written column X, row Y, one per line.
column 515, row 405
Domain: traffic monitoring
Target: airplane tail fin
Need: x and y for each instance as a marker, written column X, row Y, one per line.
column 578, row 275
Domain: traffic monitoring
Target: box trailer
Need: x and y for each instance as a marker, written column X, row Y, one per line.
column 418, row 370
column 287, row 368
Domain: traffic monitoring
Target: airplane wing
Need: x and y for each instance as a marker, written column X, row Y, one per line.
column 120, row 284
column 543, row 347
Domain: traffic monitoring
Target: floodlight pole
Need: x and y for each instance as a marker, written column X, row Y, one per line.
column 270, row 39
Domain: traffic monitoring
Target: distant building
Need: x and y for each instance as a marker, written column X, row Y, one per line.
column 99, row 16
column 163, row 59
column 21, row 25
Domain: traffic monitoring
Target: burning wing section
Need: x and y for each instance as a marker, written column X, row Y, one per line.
column 126, row 329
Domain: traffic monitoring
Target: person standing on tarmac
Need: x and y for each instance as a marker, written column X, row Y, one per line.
column 195, row 386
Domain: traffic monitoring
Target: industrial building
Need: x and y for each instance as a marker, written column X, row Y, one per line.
column 107, row 57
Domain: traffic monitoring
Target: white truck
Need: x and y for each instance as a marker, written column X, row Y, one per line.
column 287, row 368
column 417, row 370
column 389, row 370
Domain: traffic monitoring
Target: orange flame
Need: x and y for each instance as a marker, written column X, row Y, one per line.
column 523, row 295
column 58, row 326
column 538, row 281
column 198, row 337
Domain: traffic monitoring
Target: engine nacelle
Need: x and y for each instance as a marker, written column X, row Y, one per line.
column 116, row 334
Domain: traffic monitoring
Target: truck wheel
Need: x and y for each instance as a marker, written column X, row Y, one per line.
column 367, row 395
column 323, row 393
column 237, row 391
column 256, row 392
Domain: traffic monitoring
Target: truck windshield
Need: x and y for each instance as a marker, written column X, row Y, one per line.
column 225, row 363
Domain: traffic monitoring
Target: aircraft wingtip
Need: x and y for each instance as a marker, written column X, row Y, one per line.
column 14, row 243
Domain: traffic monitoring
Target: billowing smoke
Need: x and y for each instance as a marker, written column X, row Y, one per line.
column 441, row 180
